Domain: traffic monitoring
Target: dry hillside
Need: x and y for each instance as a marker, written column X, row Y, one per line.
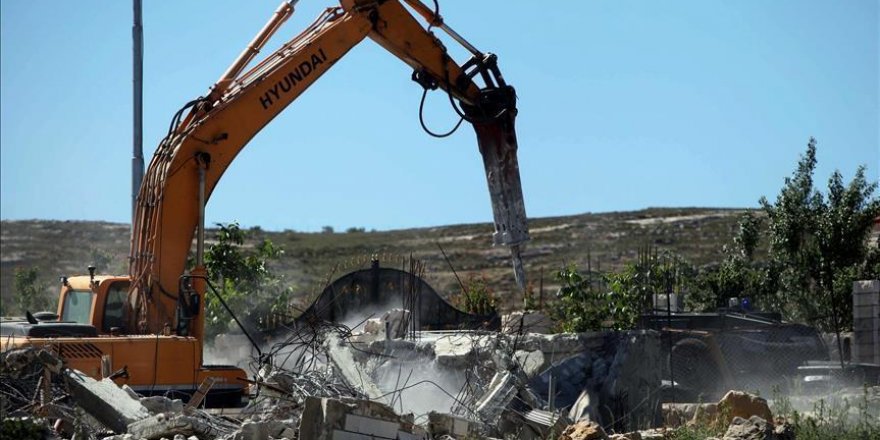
column 67, row 247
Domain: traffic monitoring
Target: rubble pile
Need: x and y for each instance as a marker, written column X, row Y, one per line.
column 328, row 381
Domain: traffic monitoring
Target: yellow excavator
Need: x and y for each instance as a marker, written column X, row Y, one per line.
column 146, row 329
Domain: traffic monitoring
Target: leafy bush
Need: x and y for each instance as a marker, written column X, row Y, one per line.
column 582, row 307
column 477, row 297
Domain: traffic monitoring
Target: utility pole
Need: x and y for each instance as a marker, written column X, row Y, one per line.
column 137, row 160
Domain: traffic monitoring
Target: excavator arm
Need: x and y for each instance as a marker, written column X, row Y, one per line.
column 200, row 145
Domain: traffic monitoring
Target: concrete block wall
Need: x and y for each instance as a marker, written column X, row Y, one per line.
column 866, row 321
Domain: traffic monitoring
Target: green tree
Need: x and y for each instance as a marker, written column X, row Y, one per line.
column 246, row 283
column 819, row 242
column 579, row 306
column 748, row 235
column 29, row 290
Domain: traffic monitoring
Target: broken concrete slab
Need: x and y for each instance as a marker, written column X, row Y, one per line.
column 450, row 425
column 169, row 424
column 162, row 404
column 547, row 423
column 104, row 400
column 343, row 361
column 455, row 351
column 584, row 408
column 498, row 396
column 262, row 430
column 344, row 419
column 531, row 362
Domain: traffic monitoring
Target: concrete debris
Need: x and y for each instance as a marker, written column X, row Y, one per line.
column 546, row 423
column 584, row 407
column 344, row 363
column 162, row 404
column 105, row 401
column 440, row 425
column 499, row 394
column 455, row 351
column 169, row 424
column 328, row 381
column 326, row 419
column 531, row 362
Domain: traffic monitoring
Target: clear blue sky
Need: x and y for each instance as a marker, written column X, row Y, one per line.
column 623, row 105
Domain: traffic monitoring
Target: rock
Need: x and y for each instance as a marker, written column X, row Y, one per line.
column 628, row 436
column 744, row 405
column 653, row 434
column 783, row 430
column 584, row 431
column 706, row 414
column 678, row 414
column 755, row 428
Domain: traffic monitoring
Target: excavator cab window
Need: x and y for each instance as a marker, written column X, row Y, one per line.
column 114, row 306
column 78, row 306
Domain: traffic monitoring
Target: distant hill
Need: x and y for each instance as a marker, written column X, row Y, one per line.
column 310, row 260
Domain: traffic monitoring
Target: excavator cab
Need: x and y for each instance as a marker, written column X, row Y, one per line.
column 99, row 301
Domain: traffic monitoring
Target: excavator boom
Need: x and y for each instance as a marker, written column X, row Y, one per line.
column 198, row 150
